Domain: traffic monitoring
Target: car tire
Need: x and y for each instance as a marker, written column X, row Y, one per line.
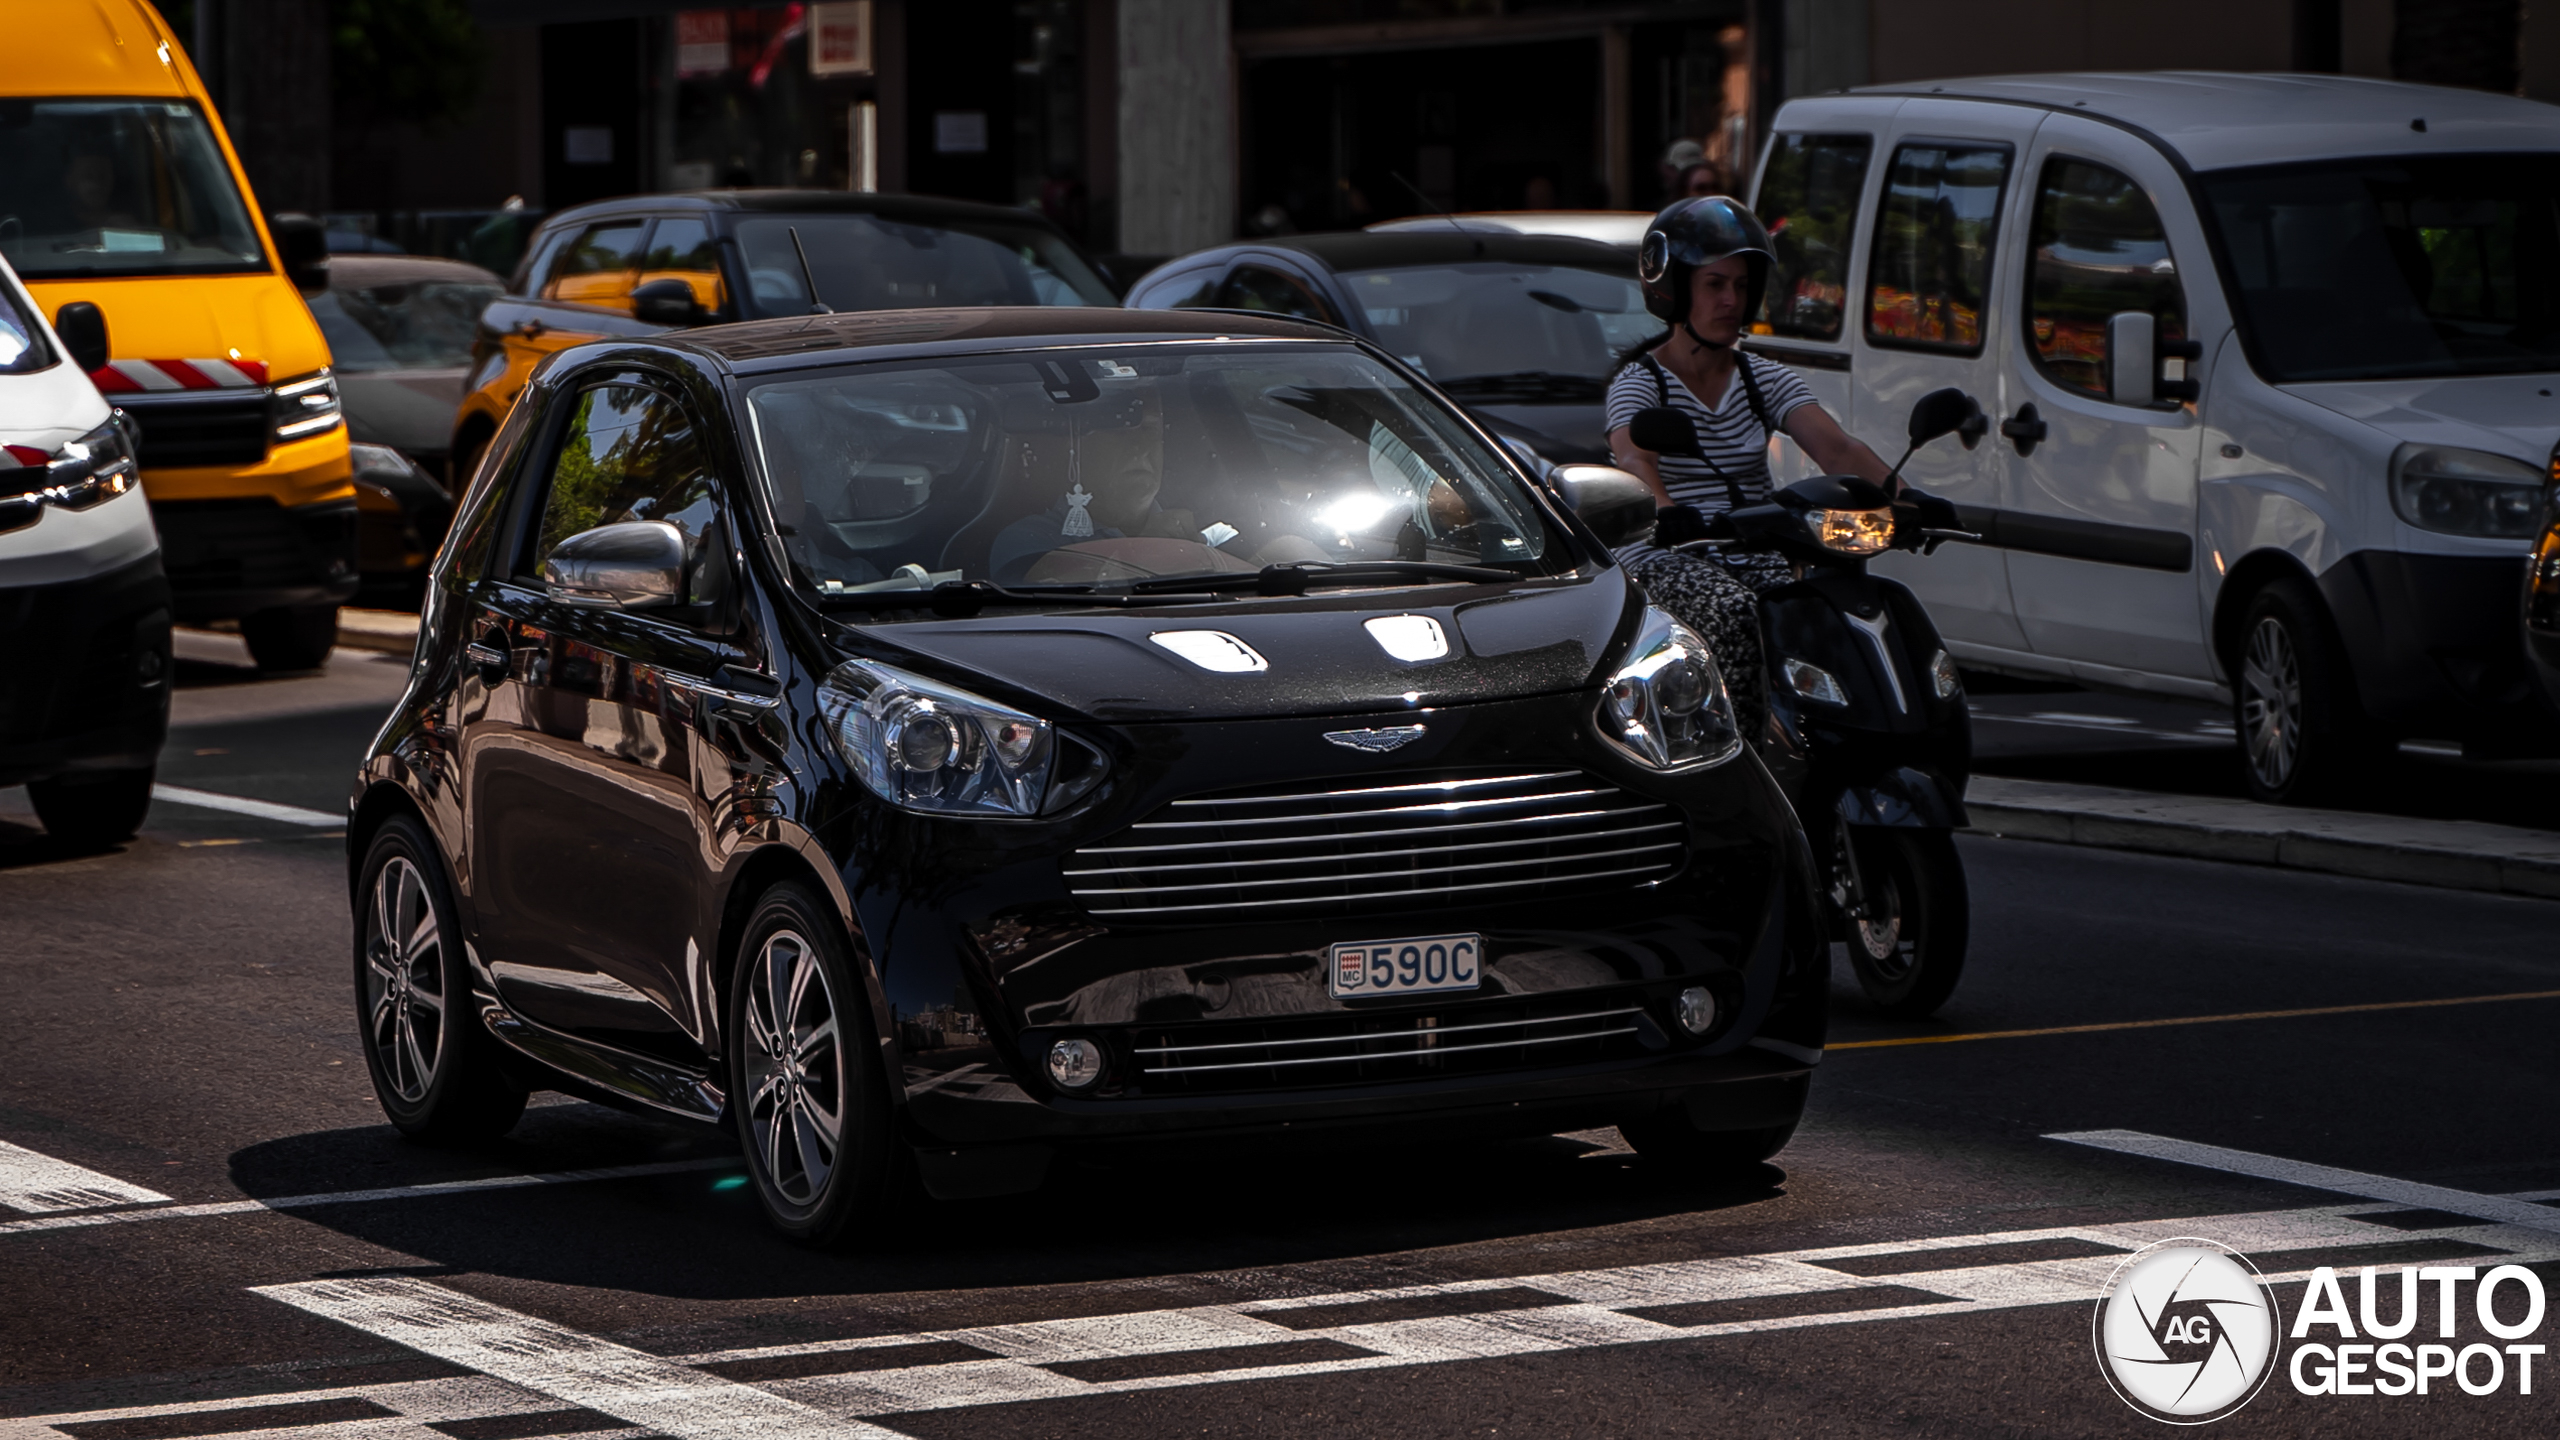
column 438, row 1073
column 2303, row 736
column 91, row 810
column 808, row 1098
column 1667, row 1141
column 1908, row 951
column 292, row 637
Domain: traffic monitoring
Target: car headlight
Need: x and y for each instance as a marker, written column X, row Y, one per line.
column 1667, row 705
column 97, row 467
column 1851, row 532
column 305, row 407
column 925, row 746
column 2465, row 492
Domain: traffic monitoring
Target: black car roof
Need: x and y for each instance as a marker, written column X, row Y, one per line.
column 925, row 208
column 1372, row 250
column 979, row 327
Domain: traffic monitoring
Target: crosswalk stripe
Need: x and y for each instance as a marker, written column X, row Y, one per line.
column 242, row 805
column 428, row 1191
column 2496, row 1209
column 38, row 1184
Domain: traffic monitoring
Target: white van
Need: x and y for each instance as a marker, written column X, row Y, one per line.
column 2270, row 362
column 84, row 606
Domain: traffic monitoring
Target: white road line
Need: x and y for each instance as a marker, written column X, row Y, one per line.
column 353, row 1197
column 240, row 805
column 580, row 1369
column 2107, row 727
column 2498, row 1209
column 39, row 1184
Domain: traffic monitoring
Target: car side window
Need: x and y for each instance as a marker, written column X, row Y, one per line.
column 1178, row 291
column 1809, row 200
column 683, row 249
column 1929, row 271
column 1260, row 287
column 595, row 270
column 2097, row 250
column 628, row 452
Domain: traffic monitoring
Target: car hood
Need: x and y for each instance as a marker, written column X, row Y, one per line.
column 1319, row 656
column 2514, row 415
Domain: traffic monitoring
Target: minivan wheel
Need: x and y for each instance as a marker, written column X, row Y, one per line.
column 436, row 1071
column 806, row 1092
column 291, row 637
column 93, row 809
column 1908, row 946
column 2302, row 735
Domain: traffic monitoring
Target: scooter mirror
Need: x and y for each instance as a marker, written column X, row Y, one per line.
column 1664, row 431
column 1941, row 412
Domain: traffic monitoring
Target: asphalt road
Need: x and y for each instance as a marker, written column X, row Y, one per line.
column 256, row 1252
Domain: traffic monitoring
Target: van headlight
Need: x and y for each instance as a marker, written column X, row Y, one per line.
column 305, row 407
column 925, row 746
column 1851, row 532
column 2465, row 492
column 1667, row 705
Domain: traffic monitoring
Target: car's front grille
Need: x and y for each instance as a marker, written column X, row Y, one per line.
column 1466, row 1037
column 1395, row 842
column 217, row 429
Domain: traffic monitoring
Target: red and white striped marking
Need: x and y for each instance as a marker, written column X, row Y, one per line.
column 129, row 377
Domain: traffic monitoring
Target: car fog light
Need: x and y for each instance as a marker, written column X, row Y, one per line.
column 1075, row 1064
column 1697, row 1012
column 1943, row 677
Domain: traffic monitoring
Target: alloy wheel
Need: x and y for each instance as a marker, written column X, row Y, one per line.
column 795, row 1068
column 404, row 979
column 2271, row 703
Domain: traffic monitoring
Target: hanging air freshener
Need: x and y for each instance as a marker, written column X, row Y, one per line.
column 1078, row 524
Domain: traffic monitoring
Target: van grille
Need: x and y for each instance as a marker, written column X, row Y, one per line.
column 1467, row 1038
column 201, row 430
column 1391, row 843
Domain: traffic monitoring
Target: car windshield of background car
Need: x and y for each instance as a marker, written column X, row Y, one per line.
column 2406, row 267
column 868, row 262
column 118, row 187
column 1095, row 468
column 22, row 347
column 1492, row 331
column 422, row 326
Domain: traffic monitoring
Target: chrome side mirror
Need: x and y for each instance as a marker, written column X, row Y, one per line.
column 635, row 565
column 1617, row 506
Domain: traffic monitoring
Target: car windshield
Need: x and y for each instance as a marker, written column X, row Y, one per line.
column 22, row 347
column 118, row 187
column 872, row 262
column 1494, row 330
column 2406, row 267
column 425, row 325
column 1099, row 466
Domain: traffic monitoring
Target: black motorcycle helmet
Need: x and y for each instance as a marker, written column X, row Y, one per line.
column 1694, row 232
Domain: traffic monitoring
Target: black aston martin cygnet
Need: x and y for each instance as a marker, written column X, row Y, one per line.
column 932, row 740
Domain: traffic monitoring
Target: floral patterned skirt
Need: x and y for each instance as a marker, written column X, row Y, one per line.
column 1720, row 601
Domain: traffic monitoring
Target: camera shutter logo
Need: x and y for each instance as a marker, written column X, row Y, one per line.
column 2186, row 1331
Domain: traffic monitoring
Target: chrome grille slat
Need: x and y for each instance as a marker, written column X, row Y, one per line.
column 1389, row 1034
column 1418, row 1052
column 1368, row 844
column 1374, row 854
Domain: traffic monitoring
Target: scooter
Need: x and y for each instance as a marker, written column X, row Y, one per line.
column 1867, row 730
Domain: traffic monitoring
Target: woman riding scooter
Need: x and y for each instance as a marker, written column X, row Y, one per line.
column 1703, row 265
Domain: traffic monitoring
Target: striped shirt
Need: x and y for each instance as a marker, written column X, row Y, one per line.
column 1727, row 432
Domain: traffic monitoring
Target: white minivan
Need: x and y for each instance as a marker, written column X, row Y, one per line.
column 2270, row 364
column 84, row 606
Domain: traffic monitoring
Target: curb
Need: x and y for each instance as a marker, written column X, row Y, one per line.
column 2449, row 854
column 392, row 632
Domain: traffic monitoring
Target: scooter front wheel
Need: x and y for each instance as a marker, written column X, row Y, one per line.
column 1908, row 929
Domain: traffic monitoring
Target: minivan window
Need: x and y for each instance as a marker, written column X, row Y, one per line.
column 1929, row 272
column 2406, row 267
column 596, row 269
column 2097, row 250
column 873, row 262
column 1809, row 200
column 1100, row 467
column 118, row 187
column 630, row 453
column 1497, row 330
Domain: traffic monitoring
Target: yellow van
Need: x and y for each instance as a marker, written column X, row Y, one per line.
column 119, row 188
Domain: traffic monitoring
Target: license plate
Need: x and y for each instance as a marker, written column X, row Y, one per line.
column 1406, row 967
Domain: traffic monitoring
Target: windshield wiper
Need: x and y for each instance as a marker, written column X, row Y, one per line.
column 1527, row 385
column 959, row 599
column 1295, row 577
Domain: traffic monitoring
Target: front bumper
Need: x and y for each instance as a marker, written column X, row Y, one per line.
column 2435, row 642
column 87, row 666
column 228, row 558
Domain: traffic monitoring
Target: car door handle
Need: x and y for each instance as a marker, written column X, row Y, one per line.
column 2024, row 429
column 490, row 659
column 530, row 329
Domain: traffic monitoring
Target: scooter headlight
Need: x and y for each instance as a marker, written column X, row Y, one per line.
column 1852, row 532
column 925, row 746
column 1667, row 705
